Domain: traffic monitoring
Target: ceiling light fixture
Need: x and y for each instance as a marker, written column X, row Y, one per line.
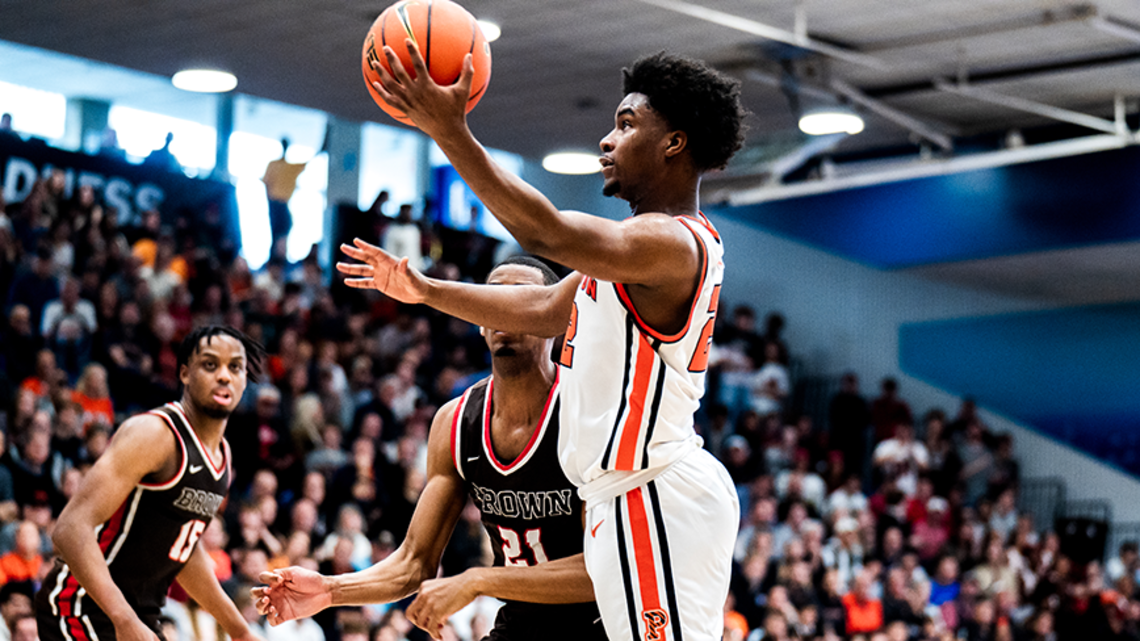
column 204, row 80
column 575, row 163
column 491, row 31
column 834, row 120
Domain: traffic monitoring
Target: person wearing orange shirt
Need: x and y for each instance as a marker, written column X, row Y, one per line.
column 864, row 612
column 25, row 561
column 92, row 395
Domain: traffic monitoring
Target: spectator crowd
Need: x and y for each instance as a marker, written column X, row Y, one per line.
column 863, row 523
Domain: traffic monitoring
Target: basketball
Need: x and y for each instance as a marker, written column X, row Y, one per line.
column 444, row 32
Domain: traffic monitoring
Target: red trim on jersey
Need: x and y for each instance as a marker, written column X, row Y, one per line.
column 626, row 302
column 704, row 221
column 113, row 527
column 631, row 427
column 643, row 551
column 455, row 429
column 538, row 430
column 77, row 630
column 217, row 468
column 64, row 600
column 185, row 456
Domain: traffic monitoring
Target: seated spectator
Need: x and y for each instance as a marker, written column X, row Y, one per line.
column 945, row 587
column 849, row 498
column 901, row 458
column 1126, row 562
column 24, row 562
column 864, row 611
column 1003, row 518
column 330, row 456
column 977, row 462
column 844, row 553
column 801, row 483
column 94, row 398
column 770, row 385
column 36, row 286
column 46, row 377
column 929, row 535
column 995, row 575
column 15, row 605
column 38, row 471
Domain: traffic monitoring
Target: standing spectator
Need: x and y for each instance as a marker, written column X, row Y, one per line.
column 280, row 181
column 20, row 345
column 888, row 410
column 1003, row 520
column 36, row 286
column 162, row 158
column 403, row 239
column 977, row 463
column 848, row 417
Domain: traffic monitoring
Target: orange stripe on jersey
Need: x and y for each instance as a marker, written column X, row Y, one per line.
column 643, row 551
column 631, row 427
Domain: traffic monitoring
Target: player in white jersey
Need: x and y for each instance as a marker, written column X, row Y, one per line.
column 637, row 315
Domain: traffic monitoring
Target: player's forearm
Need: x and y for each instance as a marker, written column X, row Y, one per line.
column 388, row 581
column 77, row 546
column 527, row 309
column 530, row 217
column 559, row 581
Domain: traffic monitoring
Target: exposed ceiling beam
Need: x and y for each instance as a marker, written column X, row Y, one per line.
column 768, row 32
column 1029, row 106
column 1114, row 28
column 795, row 159
column 916, row 126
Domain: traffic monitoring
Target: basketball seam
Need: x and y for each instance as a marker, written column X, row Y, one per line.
column 427, row 45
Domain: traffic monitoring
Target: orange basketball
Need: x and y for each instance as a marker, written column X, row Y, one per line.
column 444, row 32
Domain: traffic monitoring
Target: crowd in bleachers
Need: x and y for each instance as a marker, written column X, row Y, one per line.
column 861, row 524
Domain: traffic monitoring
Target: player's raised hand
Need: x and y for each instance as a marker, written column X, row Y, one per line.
column 291, row 593
column 438, row 599
column 433, row 107
column 382, row 271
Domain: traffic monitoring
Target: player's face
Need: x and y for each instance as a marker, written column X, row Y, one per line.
column 504, row 344
column 633, row 151
column 215, row 377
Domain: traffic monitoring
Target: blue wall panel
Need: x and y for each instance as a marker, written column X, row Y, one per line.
column 1051, row 204
column 1071, row 373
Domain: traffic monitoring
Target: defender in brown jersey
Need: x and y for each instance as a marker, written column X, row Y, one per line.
column 133, row 526
column 498, row 444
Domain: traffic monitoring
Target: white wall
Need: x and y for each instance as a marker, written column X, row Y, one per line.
column 844, row 315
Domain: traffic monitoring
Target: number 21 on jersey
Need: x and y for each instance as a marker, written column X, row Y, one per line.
column 512, row 546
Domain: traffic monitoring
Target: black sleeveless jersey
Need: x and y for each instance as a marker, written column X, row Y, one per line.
column 530, row 510
column 148, row 540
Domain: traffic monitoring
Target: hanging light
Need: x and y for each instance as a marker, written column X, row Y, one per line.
column 575, row 163
column 831, row 120
column 204, row 80
column 491, row 31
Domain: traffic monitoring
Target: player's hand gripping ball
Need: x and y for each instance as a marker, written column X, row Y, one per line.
column 443, row 31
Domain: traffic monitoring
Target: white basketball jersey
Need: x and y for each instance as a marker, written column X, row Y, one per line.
column 629, row 392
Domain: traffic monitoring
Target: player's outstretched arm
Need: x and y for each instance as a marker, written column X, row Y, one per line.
column 528, row 309
column 294, row 593
column 558, row 581
column 644, row 250
column 198, row 579
column 143, row 445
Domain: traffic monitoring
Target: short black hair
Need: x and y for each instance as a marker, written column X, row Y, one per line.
column 694, row 98
column 548, row 275
column 254, row 352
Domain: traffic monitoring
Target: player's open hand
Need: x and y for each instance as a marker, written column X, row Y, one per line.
column 382, row 271
column 433, row 107
column 438, row 600
column 291, row 593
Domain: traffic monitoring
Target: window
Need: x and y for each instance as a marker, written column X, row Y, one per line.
column 34, row 112
column 141, row 132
